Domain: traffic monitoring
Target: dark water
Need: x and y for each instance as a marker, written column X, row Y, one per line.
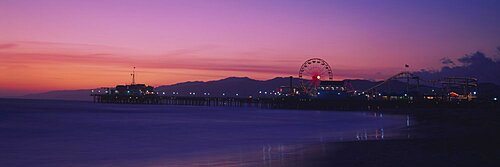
column 66, row 133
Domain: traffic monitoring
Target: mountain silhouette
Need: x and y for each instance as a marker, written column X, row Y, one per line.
column 244, row 87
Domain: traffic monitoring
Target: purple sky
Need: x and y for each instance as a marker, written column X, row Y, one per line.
column 66, row 44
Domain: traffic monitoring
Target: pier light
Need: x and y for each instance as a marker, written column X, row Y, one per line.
column 495, row 99
column 318, row 93
column 237, row 94
column 260, row 92
column 338, row 93
column 194, row 93
column 265, row 93
column 223, row 94
column 92, row 91
column 379, row 94
column 208, row 94
column 163, row 92
column 297, row 92
column 474, row 92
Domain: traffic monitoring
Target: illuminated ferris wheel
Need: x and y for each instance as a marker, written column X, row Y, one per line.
column 312, row 72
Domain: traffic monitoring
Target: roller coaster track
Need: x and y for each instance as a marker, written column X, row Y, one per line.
column 402, row 75
column 445, row 82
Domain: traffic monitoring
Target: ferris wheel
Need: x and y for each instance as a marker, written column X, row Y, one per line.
column 312, row 72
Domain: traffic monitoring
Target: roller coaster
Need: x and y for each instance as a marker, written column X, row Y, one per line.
column 316, row 78
column 448, row 88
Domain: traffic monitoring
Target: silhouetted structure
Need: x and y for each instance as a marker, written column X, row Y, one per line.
column 314, row 94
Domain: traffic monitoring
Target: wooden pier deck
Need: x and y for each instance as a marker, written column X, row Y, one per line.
column 286, row 102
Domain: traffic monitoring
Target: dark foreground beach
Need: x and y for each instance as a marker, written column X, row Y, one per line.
column 441, row 138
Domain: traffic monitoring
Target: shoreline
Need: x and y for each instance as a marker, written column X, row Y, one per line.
column 443, row 138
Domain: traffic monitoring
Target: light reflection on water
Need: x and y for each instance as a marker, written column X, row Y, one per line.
column 278, row 154
column 82, row 134
column 282, row 154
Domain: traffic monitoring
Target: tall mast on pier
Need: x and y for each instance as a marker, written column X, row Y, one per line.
column 133, row 76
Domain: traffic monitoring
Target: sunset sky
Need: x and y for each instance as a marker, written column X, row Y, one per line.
column 67, row 44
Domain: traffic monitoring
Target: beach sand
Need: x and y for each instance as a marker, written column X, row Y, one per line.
column 442, row 138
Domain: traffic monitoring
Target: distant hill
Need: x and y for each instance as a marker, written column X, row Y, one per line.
column 80, row 95
column 249, row 87
column 244, row 86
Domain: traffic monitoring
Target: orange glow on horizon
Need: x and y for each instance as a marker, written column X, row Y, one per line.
column 39, row 68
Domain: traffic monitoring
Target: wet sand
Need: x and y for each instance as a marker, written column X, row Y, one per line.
column 441, row 138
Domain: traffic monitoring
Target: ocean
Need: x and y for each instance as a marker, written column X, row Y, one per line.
column 76, row 133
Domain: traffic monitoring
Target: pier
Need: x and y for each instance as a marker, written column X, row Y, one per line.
column 290, row 102
column 318, row 91
column 181, row 100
